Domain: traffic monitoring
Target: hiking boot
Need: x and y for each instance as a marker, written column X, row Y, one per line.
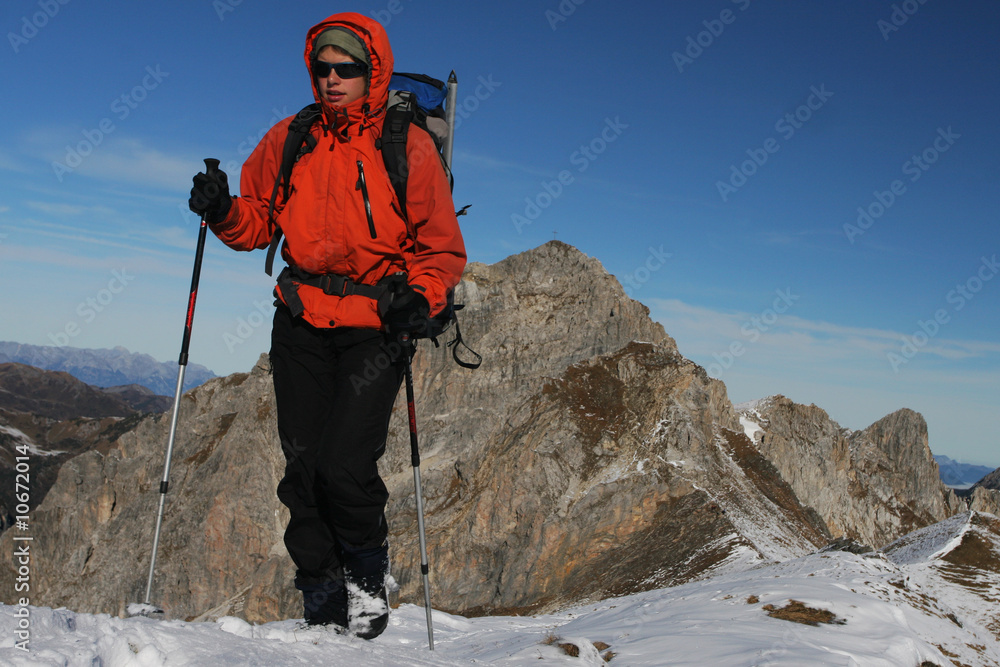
column 365, row 572
column 324, row 600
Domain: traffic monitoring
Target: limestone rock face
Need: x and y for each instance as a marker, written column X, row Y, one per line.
column 93, row 532
column 50, row 416
column 586, row 457
column 984, row 496
column 991, row 481
column 616, row 467
column 871, row 486
column 983, row 499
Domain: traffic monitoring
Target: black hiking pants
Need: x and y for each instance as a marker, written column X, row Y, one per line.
column 335, row 389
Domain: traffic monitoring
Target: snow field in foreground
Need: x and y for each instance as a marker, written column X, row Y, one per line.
column 885, row 615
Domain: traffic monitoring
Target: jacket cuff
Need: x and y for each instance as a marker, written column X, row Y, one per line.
column 437, row 302
column 227, row 222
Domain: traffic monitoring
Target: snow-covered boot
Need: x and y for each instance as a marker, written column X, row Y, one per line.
column 365, row 572
column 324, row 599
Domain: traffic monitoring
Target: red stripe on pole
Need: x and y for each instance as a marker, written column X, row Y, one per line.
column 190, row 315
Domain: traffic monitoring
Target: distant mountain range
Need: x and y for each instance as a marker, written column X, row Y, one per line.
column 107, row 367
column 60, row 396
column 954, row 473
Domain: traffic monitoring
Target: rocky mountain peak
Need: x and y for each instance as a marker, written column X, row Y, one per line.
column 984, row 496
column 991, row 481
column 838, row 472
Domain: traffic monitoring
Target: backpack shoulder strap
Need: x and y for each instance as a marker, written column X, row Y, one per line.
column 298, row 142
column 399, row 114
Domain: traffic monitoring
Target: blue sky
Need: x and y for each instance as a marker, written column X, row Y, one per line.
column 804, row 194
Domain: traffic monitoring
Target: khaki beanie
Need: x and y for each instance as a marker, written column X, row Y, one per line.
column 343, row 39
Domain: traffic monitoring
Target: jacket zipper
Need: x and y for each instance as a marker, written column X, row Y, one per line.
column 361, row 185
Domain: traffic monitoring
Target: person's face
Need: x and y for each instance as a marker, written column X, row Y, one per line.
column 335, row 90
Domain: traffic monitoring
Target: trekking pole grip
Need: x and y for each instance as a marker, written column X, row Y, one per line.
column 211, row 167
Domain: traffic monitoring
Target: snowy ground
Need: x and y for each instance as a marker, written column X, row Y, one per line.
column 886, row 614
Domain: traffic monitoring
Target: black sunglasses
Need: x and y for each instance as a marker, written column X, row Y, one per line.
column 346, row 70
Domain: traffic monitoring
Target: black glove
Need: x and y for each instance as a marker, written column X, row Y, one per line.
column 210, row 194
column 402, row 308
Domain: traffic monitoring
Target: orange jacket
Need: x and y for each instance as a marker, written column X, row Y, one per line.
column 324, row 220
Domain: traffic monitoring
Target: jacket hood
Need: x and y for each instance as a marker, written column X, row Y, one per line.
column 373, row 36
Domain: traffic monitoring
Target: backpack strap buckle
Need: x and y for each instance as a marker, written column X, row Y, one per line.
column 335, row 285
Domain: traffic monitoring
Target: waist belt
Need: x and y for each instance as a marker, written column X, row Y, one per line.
column 291, row 277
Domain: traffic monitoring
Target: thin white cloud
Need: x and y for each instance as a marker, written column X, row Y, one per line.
column 117, row 159
column 786, row 337
column 68, row 210
column 130, row 161
column 150, row 243
column 846, row 370
column 39, row 255
column 479, row 162
column 225, row 267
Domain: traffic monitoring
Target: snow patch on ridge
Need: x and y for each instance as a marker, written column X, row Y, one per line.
column 34, row 449
column 751, row 428
column 929, row 543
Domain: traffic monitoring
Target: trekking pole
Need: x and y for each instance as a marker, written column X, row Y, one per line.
column 415, row 461
column 449, row 112
column 211, row 166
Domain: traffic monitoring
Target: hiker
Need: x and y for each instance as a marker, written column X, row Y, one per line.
column 359, row 274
